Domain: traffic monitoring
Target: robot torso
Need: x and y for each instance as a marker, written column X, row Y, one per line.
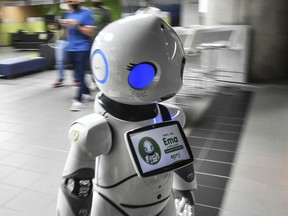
column 115, row 176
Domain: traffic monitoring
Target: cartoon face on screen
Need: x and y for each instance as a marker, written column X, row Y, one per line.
column 149, row 150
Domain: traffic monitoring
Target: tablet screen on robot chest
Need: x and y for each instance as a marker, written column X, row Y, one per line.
column 158, row 148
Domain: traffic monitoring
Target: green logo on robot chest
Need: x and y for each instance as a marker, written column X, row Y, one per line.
column 75, row 135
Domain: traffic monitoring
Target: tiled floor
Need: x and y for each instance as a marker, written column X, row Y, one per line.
column 240, row 142
column 34, row 123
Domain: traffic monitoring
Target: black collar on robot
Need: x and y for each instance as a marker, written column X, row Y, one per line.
column 127, row 112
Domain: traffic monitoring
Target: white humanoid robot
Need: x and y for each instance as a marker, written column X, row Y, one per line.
column 137, row 63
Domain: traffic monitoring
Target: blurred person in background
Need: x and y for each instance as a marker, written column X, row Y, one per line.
column 60, row 46
column 102, row 15
column 80, row 26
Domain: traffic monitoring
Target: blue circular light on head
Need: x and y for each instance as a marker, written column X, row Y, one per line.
column 100, row 66
column 141, row 75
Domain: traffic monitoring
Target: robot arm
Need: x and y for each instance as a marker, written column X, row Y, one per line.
column 90, row 136
column 184, row 179
column 184, row 185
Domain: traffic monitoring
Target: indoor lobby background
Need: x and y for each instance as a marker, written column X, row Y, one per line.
column 236, row 121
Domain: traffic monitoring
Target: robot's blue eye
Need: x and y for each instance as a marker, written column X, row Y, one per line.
column 141, row 75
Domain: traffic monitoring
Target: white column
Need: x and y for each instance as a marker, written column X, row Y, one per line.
column 189, row 13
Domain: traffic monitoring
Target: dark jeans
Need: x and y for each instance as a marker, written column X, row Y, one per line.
column 79, row 61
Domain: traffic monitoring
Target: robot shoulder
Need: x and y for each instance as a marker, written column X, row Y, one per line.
column 92, row 133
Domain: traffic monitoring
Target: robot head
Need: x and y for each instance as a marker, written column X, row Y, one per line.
column 148, row 147
column 138, row 60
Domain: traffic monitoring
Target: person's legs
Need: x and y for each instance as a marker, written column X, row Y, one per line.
column 69, row 59
column 79, row 69
column 79, row 64
column 59, row 54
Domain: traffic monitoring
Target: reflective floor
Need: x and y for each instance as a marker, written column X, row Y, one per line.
column 239, row 139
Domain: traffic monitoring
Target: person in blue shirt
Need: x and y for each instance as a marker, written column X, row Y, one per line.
column 80, row 26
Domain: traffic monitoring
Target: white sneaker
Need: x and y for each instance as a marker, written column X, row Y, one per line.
column 76, row 106
column 86, row 98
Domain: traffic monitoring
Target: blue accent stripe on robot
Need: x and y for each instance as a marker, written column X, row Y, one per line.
column 102, row 55
column 121, row 182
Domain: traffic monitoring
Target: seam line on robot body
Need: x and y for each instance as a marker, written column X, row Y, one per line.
column 144, row 206
column 117, row 184
column 113, row 204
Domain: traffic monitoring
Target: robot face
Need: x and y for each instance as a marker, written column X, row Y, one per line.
column 148, row 147
column 138, row 60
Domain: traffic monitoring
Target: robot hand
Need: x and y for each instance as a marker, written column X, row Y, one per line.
column 184, row 201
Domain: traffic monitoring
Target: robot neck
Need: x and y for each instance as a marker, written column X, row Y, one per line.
column 127, row 112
